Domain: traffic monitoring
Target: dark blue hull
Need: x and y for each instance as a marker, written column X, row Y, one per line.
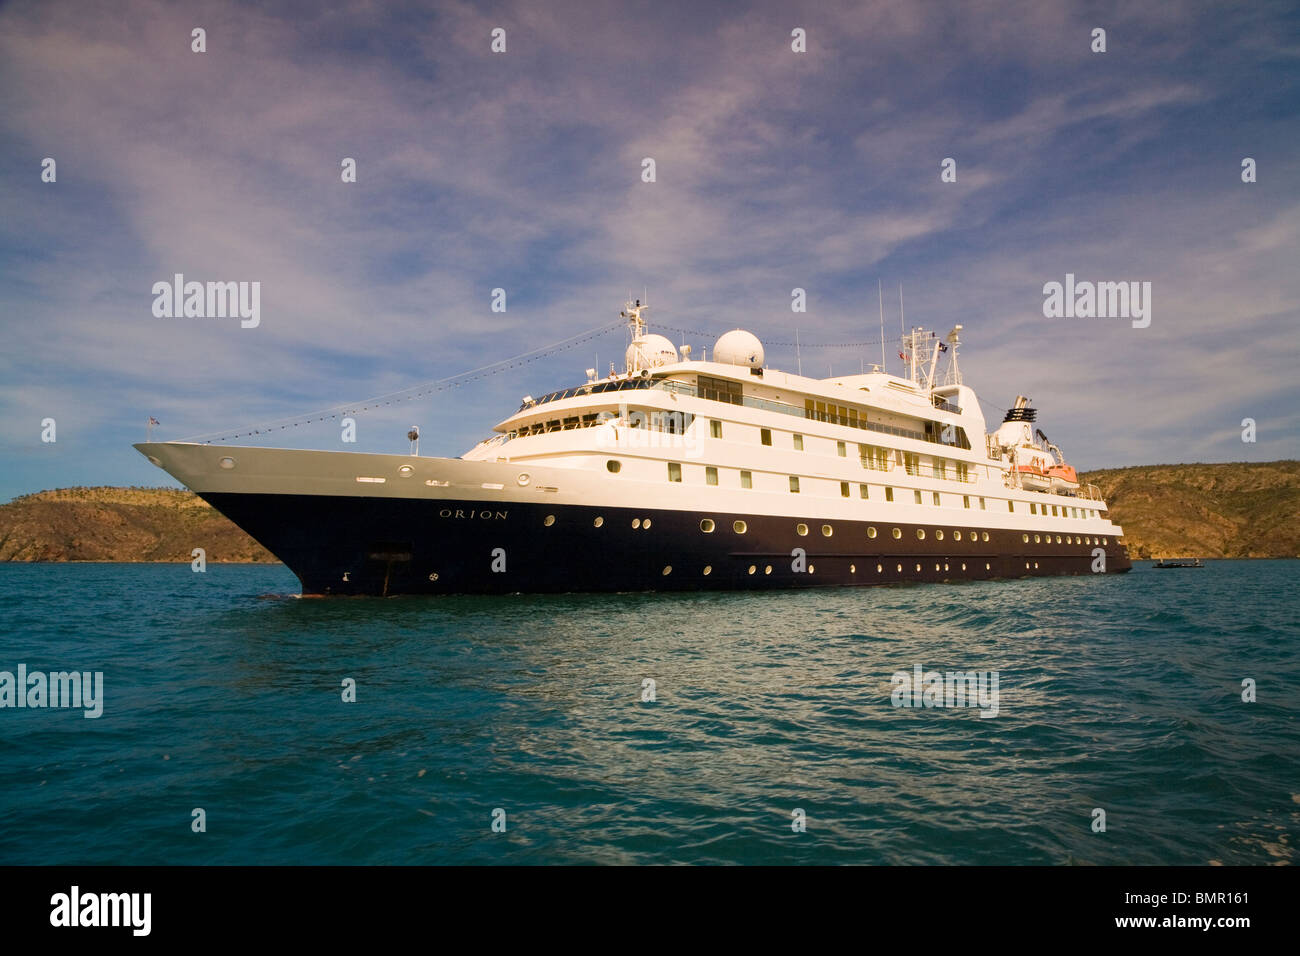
column 388, row 546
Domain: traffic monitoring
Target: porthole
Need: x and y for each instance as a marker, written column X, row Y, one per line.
column 550, row 520
column 406, row 471
column 853, row 569
column 918, row 567
column 668, row 569
column 739, row 527
column 706, row 525
column 433, row 576
column 879, row 568
column 897, row 534
column 963, row 565
column 636, row 523
column 708, row 569
column 811, row 569
column 1024, row 538
column 1103, row 542
column 599, row 521
column 956, row 535
column 987, row 566
column 1069, row 539
column 1058, row 539
column 801, row 529
column 871, row 532
column 827, row 531
column 767, row 569
column 613, row 466
column 645, row 525
column 900, row 569
column 985, row 535
column 938, row 534
column 752, row 569
column 226, row 463
column 920, row 534
column 945, row 567
column 1026, row 565
column 523, row 480
column 1038, row 539
column 1087, row 540
column 1035, row 565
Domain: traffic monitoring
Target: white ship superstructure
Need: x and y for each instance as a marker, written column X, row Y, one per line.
column 679, row 473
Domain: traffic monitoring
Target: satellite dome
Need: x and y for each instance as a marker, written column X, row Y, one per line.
column 650, row 351
column 739, row 347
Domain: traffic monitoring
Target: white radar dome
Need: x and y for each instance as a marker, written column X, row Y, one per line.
column 739, row 347
column 650, row 351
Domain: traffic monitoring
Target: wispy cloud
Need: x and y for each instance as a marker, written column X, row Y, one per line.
column 522, row 171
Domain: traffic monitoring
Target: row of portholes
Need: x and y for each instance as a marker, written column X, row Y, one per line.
column 801, row 529
column 1069, row 539
column 853, row 568
column 598, row 521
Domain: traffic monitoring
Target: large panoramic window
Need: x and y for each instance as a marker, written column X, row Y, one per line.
column 721, row 390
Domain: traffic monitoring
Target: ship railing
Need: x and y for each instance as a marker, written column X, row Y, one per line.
column 749, row 401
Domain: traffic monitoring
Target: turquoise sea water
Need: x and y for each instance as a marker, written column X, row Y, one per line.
column 1121, row 693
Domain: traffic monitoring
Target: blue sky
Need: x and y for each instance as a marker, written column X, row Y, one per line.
column 522, row 170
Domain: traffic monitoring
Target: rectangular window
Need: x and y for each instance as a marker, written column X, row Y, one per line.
column 912, row 462
column 936, row 499
column 1054, row 511
column 798, row 443
column 940, row 468
column 1011, row 506
column 862, row 491
column 844, row 489
column 746, row 479
column 766, row 436
column 715, row 429
column 710, row 475
column 982, row 504
column 842, row 449
column 721, row 390
column 674, row 471
column 965, row 501
column 918, row 496
column 1033, row 508
column 794, row 484
column 889, row 494
column 962, row 471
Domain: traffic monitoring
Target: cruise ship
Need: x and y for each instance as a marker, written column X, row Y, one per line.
column 683, row 473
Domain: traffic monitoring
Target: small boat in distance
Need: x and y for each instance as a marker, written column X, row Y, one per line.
column 1178, row 563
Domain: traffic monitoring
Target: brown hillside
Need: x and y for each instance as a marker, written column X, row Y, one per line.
column 120, row 524
column 1243, row 510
